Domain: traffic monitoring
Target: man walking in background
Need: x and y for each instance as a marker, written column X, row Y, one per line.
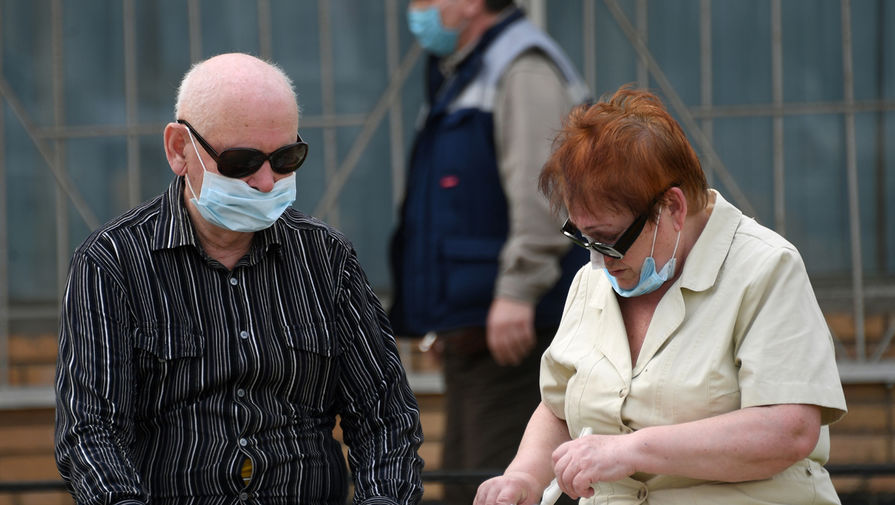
column 477, row 258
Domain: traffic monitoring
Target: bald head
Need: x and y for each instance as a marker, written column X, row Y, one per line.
column 235, row 88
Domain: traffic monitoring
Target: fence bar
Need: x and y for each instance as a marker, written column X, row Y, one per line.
column 880, row 168
column 777, row 92
column 705, row 75
column 396, row 111
column 643, row 29
column 62, row 219
column 589, row 44
column 852, row 178
column 130, row 101
column 4, row 241
column 327, row 92
column 265, row 30
column 194, row 18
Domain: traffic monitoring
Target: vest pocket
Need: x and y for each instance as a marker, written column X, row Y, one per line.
column 471, row 270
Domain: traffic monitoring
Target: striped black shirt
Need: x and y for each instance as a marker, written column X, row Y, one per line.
column 173, row 369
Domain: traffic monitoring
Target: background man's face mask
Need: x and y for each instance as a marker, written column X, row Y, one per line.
column 425, row 24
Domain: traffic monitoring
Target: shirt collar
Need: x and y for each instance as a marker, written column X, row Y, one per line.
column 710, row 250
column 174, row 227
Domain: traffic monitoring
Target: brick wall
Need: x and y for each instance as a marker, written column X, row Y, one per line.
column 865, row 435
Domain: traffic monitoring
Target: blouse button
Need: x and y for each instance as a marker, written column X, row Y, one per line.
column 243, row 442
column 240, row 392
column 233, row 281
column 621, row 393
column 641, row 494
column 243, row 334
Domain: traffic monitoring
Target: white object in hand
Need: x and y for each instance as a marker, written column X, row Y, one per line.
column 551, row 494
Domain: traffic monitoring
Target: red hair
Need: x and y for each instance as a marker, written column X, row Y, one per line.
column 622, row 153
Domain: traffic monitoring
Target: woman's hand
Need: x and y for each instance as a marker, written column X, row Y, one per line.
column 510, row 488
column 752, row 443
column 589, row 459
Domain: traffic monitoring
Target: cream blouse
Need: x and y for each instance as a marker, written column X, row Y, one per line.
column 740, row 327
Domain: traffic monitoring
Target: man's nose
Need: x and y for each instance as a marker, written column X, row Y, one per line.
column 263, row 179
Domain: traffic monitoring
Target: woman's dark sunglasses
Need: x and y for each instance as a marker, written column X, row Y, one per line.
column 616, row 250
column 238, row 162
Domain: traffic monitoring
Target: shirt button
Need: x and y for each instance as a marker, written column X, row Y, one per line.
column 641, row 494
column 243, row 442
column 240, row 392
column 621, row 393
column 243, row 496
column 233, row 281
column 243, row 334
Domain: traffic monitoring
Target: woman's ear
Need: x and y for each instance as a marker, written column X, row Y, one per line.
column 677, row 206
column 175, row 147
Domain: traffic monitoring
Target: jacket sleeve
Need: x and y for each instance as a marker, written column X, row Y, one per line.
column 93, row 386
column 380, row 418
column 529, row 108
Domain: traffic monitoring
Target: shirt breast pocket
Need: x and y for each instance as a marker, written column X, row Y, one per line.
column 166, row 358
column 310, row 371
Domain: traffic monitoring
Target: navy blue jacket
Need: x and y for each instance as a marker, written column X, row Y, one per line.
column 454, row 219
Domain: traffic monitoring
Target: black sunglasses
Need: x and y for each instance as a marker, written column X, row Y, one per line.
column 238, row 162
column 616, row 250
column 621, row 246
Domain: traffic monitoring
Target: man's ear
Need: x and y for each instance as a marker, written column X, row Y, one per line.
column 473, row 8
column 175, row 147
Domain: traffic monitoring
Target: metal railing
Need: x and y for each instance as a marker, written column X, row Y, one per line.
column 863, row 364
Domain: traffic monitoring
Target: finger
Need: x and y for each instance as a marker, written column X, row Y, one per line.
column 501, row 355
column 503, row 349
column 581, row 484
column 513, row 355
column 560, row 452
column 522, row 342
column 566, row 471
column 510, row 496
column 486, row 493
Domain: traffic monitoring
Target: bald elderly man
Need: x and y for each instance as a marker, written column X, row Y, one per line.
column 210, row 337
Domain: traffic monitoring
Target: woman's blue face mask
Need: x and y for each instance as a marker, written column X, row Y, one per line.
column 650, row 279
column 425, row 24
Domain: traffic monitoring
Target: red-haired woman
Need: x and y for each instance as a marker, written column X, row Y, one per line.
column 693, row 346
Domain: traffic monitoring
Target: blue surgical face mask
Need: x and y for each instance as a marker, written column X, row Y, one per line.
column 425, row 25
column 234, row 205
column 650, row 280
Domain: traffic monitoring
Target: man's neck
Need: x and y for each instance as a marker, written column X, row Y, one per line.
column 225, row 246
column 470, row 36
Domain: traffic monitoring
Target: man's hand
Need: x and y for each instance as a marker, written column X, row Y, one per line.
column 510, row 331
